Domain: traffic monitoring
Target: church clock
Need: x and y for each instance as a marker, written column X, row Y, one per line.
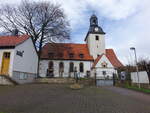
column 96, row 29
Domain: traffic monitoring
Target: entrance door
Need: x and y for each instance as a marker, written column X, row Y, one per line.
column 5, row 63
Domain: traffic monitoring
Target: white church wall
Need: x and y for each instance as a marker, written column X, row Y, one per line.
column 96, row 47
column 11, row 59
column 104, row 59
column 109, row 73
column 109, row 69
column 44, row 67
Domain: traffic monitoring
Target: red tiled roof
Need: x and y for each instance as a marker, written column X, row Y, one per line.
column 62, row 51
column 96, row 60
column 110, row 54
column 12, row 40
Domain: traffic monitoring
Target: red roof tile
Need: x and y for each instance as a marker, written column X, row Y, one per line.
column 66, row 51
column 110, row 54
column 61, row 51
column 96, row 60
column 113, row 58
column 12, row 40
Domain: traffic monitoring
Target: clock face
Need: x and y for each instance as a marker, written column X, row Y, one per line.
column 96, row 29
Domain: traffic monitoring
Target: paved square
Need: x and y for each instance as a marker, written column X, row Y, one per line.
column 51, row 98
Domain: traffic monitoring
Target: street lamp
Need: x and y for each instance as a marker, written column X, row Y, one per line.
column 137, row 70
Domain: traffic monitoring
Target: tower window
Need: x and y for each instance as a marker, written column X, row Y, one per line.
column 97, row 37
column 94, row 21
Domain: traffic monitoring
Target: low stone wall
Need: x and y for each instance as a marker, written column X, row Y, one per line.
column 88, row 81
column 54, row 80
column 5, row 81
column 83, row 81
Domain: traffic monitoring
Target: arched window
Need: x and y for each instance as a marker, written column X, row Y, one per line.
column 50, row 65
column 71, row 67
column 61, row 67
column 81, row 67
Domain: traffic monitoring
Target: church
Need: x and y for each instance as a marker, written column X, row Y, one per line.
column 88, row 60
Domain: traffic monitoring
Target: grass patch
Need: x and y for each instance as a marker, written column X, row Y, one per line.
column 83, row 78
column 138, row 89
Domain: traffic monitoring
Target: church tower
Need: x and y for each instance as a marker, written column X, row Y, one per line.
column 95, row 38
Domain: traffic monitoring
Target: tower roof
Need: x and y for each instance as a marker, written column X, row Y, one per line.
column 93, row 16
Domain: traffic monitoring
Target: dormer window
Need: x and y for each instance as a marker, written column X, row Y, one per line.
column 97, row 37
column 81, row 55
column 51, row 55
column 71, row 55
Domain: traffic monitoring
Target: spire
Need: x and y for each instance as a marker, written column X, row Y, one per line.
column 94, row 27
column 93, row 20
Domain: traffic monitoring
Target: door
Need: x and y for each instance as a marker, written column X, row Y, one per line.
column 5, row 63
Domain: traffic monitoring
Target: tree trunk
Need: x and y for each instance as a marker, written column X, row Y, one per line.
column 39, row 56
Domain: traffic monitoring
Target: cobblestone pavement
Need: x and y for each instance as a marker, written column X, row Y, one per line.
column 48, row 98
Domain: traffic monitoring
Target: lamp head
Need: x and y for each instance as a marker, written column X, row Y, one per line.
column 132, row 48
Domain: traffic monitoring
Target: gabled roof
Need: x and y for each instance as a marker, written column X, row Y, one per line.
column 96, row 60
column 110, row 54
column 12, row 41
column 62, row 51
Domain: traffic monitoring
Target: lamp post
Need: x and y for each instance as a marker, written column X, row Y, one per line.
column 137, row 70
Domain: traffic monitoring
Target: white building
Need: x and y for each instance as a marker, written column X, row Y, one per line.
column 62, row 59
column 18, row 58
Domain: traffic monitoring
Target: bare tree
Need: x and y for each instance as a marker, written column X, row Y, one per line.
column 43, row 21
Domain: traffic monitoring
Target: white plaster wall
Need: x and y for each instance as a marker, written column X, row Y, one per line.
column 11, row 59
column 143, row 77
column 44, row 67
column 96, row 46
column 104, row 59
column 109, row 72
column 28, row 63
column 109, row 69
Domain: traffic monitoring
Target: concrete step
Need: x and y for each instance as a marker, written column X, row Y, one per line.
column 6, row 80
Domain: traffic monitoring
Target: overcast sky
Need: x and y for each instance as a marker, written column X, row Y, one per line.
column 126, row 23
